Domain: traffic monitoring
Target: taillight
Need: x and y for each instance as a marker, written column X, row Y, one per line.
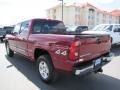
column 74, row 51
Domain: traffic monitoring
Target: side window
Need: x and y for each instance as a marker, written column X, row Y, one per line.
column 110, row 27
column 37, row 28
column 24, row 28
column 40, row 28
column 117, row 28
column 17, row 28
column 79, row 29
column 46, row 28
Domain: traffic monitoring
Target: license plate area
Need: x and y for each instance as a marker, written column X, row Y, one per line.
column 97, row 62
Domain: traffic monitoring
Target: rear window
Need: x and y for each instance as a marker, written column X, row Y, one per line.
column 48, row 27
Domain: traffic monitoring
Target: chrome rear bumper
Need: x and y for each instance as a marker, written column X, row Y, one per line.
column 91, row 68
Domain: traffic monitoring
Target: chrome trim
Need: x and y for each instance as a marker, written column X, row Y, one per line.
column 85, row 55
column 105, row 60
column 77, row 72
column 21, row 49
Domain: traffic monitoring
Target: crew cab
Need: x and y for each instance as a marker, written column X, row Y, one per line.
column 54, row 50
column 111, row 29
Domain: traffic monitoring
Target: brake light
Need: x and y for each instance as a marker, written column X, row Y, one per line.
column 74, row 51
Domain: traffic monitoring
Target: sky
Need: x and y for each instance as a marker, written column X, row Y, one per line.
column 14, row 11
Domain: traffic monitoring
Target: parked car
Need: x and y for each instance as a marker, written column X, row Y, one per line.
column 111, row 29
column 4, row 31
column 8, row 29
column 76, row 29
column 2, row 34
column 55, row 50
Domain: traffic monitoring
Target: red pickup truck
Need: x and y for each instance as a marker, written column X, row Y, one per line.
column 54, row 49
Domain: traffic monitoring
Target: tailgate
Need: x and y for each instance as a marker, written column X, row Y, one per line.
column 93, row 46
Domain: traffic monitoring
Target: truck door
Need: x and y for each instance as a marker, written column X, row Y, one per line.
column 13, row 37
column 22, row 39
column 116, row 31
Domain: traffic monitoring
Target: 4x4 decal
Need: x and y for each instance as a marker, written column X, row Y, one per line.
column 59, row 52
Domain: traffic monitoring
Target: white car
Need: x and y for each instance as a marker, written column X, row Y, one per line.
column 76, row 29
column 111, row 29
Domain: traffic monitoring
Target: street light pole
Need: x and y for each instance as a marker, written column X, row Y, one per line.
column 62, row 10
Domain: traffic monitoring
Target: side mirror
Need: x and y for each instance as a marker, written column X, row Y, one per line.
column 117, row 30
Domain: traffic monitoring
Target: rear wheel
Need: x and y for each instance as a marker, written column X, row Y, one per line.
column 10, row 53
column 45, row 69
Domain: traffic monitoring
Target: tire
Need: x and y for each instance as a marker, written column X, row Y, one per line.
column 46, row 70
column 9, row 52
column 111, row 40
column 1, row 39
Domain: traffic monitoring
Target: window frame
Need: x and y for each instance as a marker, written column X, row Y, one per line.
column 17, row 31
column 21, row 30
column 43, row 23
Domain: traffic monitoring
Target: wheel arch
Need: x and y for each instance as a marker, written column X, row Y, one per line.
column 38, row 52
column 6, row 42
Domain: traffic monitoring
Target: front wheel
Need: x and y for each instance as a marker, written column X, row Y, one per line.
column 1, row 39
column 10, row 53
column 45, row 69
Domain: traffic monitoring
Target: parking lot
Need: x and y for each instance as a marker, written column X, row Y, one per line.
column 18, row 73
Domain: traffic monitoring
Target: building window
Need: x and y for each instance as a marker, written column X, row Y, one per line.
column 91, row 11
column 77, row 10
column 109, row 22
column 54, row 11
column 110, row 17
column 97, row 19
column 97, row 14
column 91, row 17
column 54, row 17
column 49, row 12
column 104, row 16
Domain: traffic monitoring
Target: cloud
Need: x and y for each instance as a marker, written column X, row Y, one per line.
column 14, row 11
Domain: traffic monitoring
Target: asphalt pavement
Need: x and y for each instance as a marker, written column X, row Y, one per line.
column 18, row 73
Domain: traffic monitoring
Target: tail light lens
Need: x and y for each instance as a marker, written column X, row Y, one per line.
column 74, row 51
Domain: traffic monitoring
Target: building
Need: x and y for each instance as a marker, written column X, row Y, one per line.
column 93, row 16
column 83, row 14
column 116, row 13
column 70, row 14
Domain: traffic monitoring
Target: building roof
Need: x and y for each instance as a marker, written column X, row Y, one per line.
column 87, row 5
column 65, row 5
column 113, row 13
column 116, row 12
column 99, row 10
